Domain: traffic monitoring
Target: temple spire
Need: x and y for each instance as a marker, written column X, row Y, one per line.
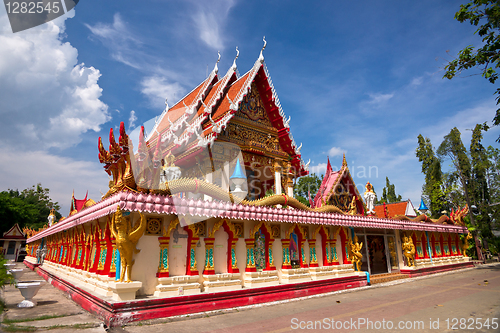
column 344, row 162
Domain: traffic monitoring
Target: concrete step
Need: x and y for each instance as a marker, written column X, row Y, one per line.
column 381, row 278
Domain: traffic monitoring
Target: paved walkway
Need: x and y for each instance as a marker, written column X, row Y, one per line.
column 424, row 304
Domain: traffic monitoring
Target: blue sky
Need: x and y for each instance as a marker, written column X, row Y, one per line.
column 364, row 78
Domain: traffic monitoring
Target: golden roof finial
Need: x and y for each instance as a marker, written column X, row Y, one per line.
column 344, row 162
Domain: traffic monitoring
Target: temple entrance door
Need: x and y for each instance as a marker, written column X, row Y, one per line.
column 377, row 253
column 294, row 250
column 260, row 251
column 392, row 253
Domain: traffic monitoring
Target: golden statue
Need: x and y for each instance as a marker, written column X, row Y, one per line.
column 353, row 209
column 126, row 240
column 355, row 253
column 409, row 251
column 465, row 244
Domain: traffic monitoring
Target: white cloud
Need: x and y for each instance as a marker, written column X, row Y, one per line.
column 119, row 40
column 210, row 19
column 378, row 99
column 157, row 88
column 417, row 81
column 336, row 151
column 318, row 169
column 131, row 120
column 47, row 99
column 53, row 172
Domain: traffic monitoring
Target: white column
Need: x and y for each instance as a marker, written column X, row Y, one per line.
column 277, row 177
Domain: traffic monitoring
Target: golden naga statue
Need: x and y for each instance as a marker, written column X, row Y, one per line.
column 355, row 253
column 409, row 251
column 353, row 209
column 126, row 240
column 465, row 244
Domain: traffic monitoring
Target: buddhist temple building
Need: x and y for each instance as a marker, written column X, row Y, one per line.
column 200, row 215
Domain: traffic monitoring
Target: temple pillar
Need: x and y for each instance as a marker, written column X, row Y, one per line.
column 250, row 255
column 313, row 262
column 277, row 177
column 112, row 267
column 285, row 243
column 163, row 262
column 232, row 266
column 209, row 256
column 191, row 265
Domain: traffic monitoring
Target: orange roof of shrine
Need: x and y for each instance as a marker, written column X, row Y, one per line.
column 403, row 208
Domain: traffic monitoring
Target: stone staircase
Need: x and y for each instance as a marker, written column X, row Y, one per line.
column 381, row 278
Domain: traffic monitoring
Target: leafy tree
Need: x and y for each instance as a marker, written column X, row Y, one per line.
column 30, row 207
column 306, row 185
column 389, row 193
column 486, row 15
column 433, row 189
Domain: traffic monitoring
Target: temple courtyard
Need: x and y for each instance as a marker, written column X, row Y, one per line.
column 431, row 302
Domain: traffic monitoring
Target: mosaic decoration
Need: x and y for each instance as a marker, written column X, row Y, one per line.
column 102, row 258
column 420, row 251
column 446, row 249
column 113, row 258
column 153, row 226
column 233, row 258
column 454, row 248
column 438, row 249
column 164, row 258
column 335, row 253
column 193, row 260
column 303, row 256
column 271, row 259
column 260, row 250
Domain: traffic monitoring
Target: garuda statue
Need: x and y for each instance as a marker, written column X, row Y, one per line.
column 409, row 250
column 126, row 240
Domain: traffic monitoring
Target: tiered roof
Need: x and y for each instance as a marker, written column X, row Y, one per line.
column 197, row 119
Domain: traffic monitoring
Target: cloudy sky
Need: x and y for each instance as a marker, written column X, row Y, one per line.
column 359, row 77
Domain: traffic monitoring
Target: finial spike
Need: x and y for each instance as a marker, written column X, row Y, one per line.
column 261, row 56
column 233, row 67
column 216, row 68
column 344, row 162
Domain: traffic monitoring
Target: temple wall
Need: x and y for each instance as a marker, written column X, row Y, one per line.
column 178, row 279
column 319, row 251
column 338, row 246
column 144, row 268
column 220, row 251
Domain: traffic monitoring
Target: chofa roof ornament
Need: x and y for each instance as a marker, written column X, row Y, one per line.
column 261, row 56
column 234, row 67
column 216, row 69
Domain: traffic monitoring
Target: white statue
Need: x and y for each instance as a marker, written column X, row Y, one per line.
column 169, row 170
column 369, row 198
column 51, row 217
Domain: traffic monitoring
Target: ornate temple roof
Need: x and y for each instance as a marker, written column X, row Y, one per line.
column 332, row 180
column 198, row 118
